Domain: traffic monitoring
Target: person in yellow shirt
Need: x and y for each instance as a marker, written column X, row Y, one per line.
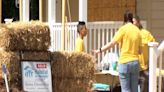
column 143, row 58
column 128, row 65
column 82, row 31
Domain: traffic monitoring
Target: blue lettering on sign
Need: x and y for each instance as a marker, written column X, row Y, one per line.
column 28, row 71
column 41, row 73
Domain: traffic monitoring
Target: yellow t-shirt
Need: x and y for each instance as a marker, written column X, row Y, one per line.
column 130, row 39
column 79, row 45
column 143, row 58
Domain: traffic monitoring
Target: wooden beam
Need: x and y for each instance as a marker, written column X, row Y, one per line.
column 20, row 10
column 63, row 25
column 0, row 11
column 41, row 10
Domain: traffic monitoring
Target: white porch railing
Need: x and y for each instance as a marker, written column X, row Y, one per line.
column 99, row 33
column 95, row 29
column 155, row 56
column 70, row 36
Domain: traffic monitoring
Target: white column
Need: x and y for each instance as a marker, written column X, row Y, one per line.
column 83, row 15
column 26, row 10
column 51, row 20
column 51, row 11
column 83, row 10
column 153, row 53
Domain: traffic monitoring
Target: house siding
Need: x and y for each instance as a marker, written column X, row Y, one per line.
column 109, row 10
column 98, row 10
column 153, row 12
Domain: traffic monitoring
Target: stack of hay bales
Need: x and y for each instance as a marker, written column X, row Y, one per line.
column 72, row 72
column 32, row 39
column 25, row 36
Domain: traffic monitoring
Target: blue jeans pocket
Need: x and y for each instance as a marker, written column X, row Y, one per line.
column 123, row 68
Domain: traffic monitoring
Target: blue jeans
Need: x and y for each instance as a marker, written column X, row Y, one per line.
column 128, row 75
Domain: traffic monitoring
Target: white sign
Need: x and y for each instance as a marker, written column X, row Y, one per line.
column 36, row 76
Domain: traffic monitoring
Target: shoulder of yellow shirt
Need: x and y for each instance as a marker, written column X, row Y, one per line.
column 127, row 26
column 148, row 33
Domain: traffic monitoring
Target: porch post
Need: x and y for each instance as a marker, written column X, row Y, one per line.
column 83, row 16
column 26, row 7
column 153, row 53
column 41, row 10
column 63, row 25
column 0, row 11
column 160, row 50
column 83, row 10
column 51, row 11
column 51, row 20
column 20, row 10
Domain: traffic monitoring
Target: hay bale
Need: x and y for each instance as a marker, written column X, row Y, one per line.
column 25, row 36
column 11, row 60
column 71, row 85
column 35, row 55
column 72, row 72
column 76, row 65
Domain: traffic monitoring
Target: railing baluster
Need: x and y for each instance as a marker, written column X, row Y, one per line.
column 95, row 41
column 103, row 37
column 111, row 37
column 90, row 40
column 160, row 50
column 107, row 37
column 160, row 77
column 59, row 31
column 99, row 41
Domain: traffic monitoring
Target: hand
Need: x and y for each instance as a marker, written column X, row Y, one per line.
column 96, row 51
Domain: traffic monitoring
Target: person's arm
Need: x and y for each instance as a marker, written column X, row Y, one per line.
column 140, row 45
column 140, row 50
column 116, row 39
column 105, row 47
column 151, row 38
